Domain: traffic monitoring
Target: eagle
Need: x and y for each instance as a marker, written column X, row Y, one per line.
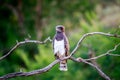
column 61, row 46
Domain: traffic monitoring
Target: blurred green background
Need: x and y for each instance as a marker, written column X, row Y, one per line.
column 20, row 19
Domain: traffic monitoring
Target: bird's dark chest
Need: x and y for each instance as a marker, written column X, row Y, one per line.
column 59, row 36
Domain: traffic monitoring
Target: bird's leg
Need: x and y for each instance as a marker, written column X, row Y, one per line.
column 56, row 56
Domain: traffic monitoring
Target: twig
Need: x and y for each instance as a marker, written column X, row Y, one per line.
column 91, row 54
column 98, row 69
column 90, row 34
column 24, row 42
column 114, row 55
column 107, row 53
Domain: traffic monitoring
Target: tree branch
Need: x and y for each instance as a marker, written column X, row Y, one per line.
column 24, row 42
column 107, row 53
column 90, row 34
column 45, row 69
column 94, row 66
column 39, row 71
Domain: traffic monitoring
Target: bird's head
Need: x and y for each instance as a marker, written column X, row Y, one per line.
column 60, row 28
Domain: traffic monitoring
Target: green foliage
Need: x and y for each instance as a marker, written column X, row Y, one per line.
column 78, row 17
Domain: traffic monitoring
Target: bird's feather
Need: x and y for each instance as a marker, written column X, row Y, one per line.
column 61, row 47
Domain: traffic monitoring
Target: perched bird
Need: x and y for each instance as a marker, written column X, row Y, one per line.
column 61, row 46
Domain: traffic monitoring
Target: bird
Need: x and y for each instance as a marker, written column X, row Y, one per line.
column 61, row 46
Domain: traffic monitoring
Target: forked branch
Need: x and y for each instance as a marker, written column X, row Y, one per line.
column 24, row 42
column 90, row 34
column 107, row 53
column 92, row 65
column 47, row 68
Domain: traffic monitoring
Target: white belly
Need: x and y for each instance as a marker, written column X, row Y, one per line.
column 59, row 47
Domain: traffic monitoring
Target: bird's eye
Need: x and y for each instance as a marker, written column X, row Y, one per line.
column 61, row 28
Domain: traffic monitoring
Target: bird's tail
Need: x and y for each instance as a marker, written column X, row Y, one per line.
column 63, row 66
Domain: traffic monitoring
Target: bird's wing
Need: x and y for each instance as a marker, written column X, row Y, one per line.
column 66, row 45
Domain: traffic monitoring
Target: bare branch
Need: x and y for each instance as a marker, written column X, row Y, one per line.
column 91, row 54
column 90, row 34
column 39, row 71
column 114, row 55
column 45, row 69
column 24, row 42
column 98, row 69
column 107, row 53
